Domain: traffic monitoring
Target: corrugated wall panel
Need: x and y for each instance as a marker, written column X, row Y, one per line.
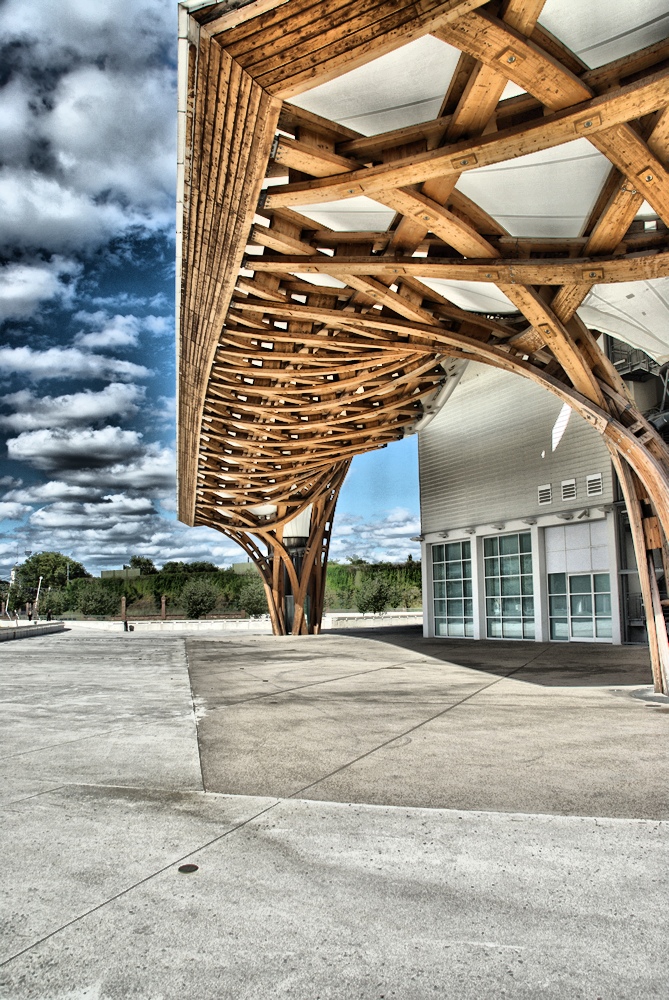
column 481, row 457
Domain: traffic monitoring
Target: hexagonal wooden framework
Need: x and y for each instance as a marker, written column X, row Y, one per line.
column 282, row 381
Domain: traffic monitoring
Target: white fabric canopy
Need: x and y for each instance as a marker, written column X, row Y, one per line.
column 546, row 194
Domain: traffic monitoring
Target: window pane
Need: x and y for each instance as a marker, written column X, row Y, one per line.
column 439, row 589
column 454, row 588
column 469, row 629
column 580, row 584
column 558, row 605
column 440, row 607
column 437, row 553
column 525, row 542
column 528, row 629
column 440, row 627
column 581, row 628
column 510, row 585
column 492, row 567
column 557, row 583
column 559, row 629
column 490, row 547
column 510, row 607
column 526, row 564
column 455, row 609
column 454, row 570
column 493, row 607
column 602, row 604
column 603, row 628
column 528, row 607
column 581, row 605
column 512, row 628
column 508, row 545
column 527, row 586
column 602, row 583
column 509, row 565
column 467, row 588
column 439, row 571
column 494, row 628
column 453, row 551
column 456, row 628
column 466, row 550
column 492, row 587
column 469, row 609
column 467, row 569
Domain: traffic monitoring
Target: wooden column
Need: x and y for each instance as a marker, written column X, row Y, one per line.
column 633, row 492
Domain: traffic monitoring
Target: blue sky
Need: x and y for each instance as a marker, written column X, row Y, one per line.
column 87, row 175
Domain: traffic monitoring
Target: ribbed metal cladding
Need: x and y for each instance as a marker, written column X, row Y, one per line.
column 481, row 457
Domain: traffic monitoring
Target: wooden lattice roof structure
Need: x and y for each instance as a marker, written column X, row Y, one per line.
column 333, row 277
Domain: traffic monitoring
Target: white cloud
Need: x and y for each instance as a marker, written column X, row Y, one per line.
column 32, row 412
column 119, row 330
column 13, row 511
column 154, row 471
column 114, row 133
column 24, row 286
column 53, row 449
column 111, row 514
column 385, row 540
column 43, row 213
column 66, row 362
column 50, row 492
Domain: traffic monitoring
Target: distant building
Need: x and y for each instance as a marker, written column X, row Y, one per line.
column 119, row 574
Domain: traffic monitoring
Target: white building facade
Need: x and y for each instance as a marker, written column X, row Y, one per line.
column 522, row 531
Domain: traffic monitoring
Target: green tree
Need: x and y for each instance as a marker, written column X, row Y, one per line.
column 175, row 567
column 252, row 598
column 372, row 595
column 143, row 564
column 199, row 598
column 52, row 567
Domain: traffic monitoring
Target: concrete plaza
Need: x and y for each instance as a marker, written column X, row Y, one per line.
column 372, row 814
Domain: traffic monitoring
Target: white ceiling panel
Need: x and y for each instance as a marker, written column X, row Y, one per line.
column 387, row 93
column 548, row 193
column 636, row 312
column 476, row 296
column 350, row 215
column 600, row 31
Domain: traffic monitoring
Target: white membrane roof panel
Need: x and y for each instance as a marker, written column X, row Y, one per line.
column 636, row 312
column 401, row 88
column 548, row 193
column 476, row 296
column 599, row 31
column 350, row 215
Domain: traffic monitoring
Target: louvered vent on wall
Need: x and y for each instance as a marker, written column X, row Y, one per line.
column 569, row 489
column 545, row 494
column 593, row 485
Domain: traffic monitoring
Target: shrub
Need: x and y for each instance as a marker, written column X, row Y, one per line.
column 96, row 600
column 252, row 598
column 199, row 598
column 372, row 596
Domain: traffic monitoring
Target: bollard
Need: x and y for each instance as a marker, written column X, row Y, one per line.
column 163, row 602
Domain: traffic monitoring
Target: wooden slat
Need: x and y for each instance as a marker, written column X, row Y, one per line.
column 582, row 271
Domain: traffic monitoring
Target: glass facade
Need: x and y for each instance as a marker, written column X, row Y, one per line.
column 579, row 606
column 452, row 589
column 509, row 586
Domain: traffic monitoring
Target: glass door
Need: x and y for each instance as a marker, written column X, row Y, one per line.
column 580, row 606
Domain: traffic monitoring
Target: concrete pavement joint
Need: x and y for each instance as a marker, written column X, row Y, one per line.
column 299, row 687
column 192, row 702
column 141, row 881
column 413, row 729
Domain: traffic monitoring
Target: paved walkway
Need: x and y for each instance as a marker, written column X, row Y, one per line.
column 543, row 876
